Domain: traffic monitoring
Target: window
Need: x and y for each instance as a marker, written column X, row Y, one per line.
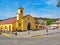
column 28, row 18
column 5, row 27
column 19, row 24
column 21, row 11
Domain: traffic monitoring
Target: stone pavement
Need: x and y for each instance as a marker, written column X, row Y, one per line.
column 35, row 33
column 53, row 40
column 41, row 33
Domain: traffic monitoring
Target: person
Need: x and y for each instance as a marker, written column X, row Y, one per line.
column 16, row 33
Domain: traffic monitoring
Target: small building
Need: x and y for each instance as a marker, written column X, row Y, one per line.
column 41, row 23
column 37, row 25
column 56, row 24
column 18, row 23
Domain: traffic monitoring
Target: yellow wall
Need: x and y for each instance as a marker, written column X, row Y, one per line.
column 17, row 25
column 14, row 26
column 31, row 21
column 23, row 24
column 19, row 14
column 37, row 26
column 5, row 27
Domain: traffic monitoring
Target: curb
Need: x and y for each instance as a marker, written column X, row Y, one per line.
column 36, row 36
column 40, row 36
column 22, row 37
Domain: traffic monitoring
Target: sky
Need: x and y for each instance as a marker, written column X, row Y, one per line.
column 35, row 8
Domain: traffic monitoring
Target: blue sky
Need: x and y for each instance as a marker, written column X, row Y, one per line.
column 36, row 8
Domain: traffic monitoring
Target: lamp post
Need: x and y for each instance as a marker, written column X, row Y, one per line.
column 47, row 31
column 28, row 26
column 42, row 24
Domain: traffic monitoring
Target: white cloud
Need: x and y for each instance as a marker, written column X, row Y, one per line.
column 51, row 2
column 36, row 3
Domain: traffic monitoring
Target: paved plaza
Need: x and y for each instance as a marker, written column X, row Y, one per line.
column 51, row 39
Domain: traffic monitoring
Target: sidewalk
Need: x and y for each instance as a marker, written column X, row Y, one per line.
column 6, row 35
column 32, row 34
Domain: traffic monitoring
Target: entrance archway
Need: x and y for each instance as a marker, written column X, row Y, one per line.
column 28, row 26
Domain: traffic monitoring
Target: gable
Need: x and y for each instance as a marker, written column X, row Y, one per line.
column 28, row 16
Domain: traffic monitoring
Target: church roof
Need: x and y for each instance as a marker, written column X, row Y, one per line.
column 12, row 20
column 8, row 21
column 25, row 16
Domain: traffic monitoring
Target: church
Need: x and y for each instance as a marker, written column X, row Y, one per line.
column 19, row 23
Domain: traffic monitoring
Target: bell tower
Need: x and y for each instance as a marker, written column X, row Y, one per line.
column 20, row 13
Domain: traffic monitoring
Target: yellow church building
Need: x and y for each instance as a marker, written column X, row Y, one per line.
column 19, row 23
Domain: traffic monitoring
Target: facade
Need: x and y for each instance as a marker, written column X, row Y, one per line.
column 41, row 24
column 56, row 24
column 18, row 23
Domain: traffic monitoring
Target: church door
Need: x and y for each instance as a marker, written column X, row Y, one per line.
column 29, row 26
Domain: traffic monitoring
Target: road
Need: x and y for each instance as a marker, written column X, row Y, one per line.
column 54, row 39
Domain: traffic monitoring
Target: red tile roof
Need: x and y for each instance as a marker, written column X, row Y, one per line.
column 8, row 21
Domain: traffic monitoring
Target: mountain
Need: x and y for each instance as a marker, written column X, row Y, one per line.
column 40, row 18
column 44, row 21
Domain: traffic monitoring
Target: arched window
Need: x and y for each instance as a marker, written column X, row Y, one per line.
column 28, row 18
column 21, row 11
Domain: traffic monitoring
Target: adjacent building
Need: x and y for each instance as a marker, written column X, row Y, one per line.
column 56, row 24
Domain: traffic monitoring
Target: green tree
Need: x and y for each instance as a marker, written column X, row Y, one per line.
column 49, row 22
column 58, row 3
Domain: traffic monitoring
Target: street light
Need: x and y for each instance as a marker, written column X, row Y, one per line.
column 47, row 31
column 28, row 26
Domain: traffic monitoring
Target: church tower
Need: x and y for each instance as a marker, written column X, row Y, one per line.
column 20, row 13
